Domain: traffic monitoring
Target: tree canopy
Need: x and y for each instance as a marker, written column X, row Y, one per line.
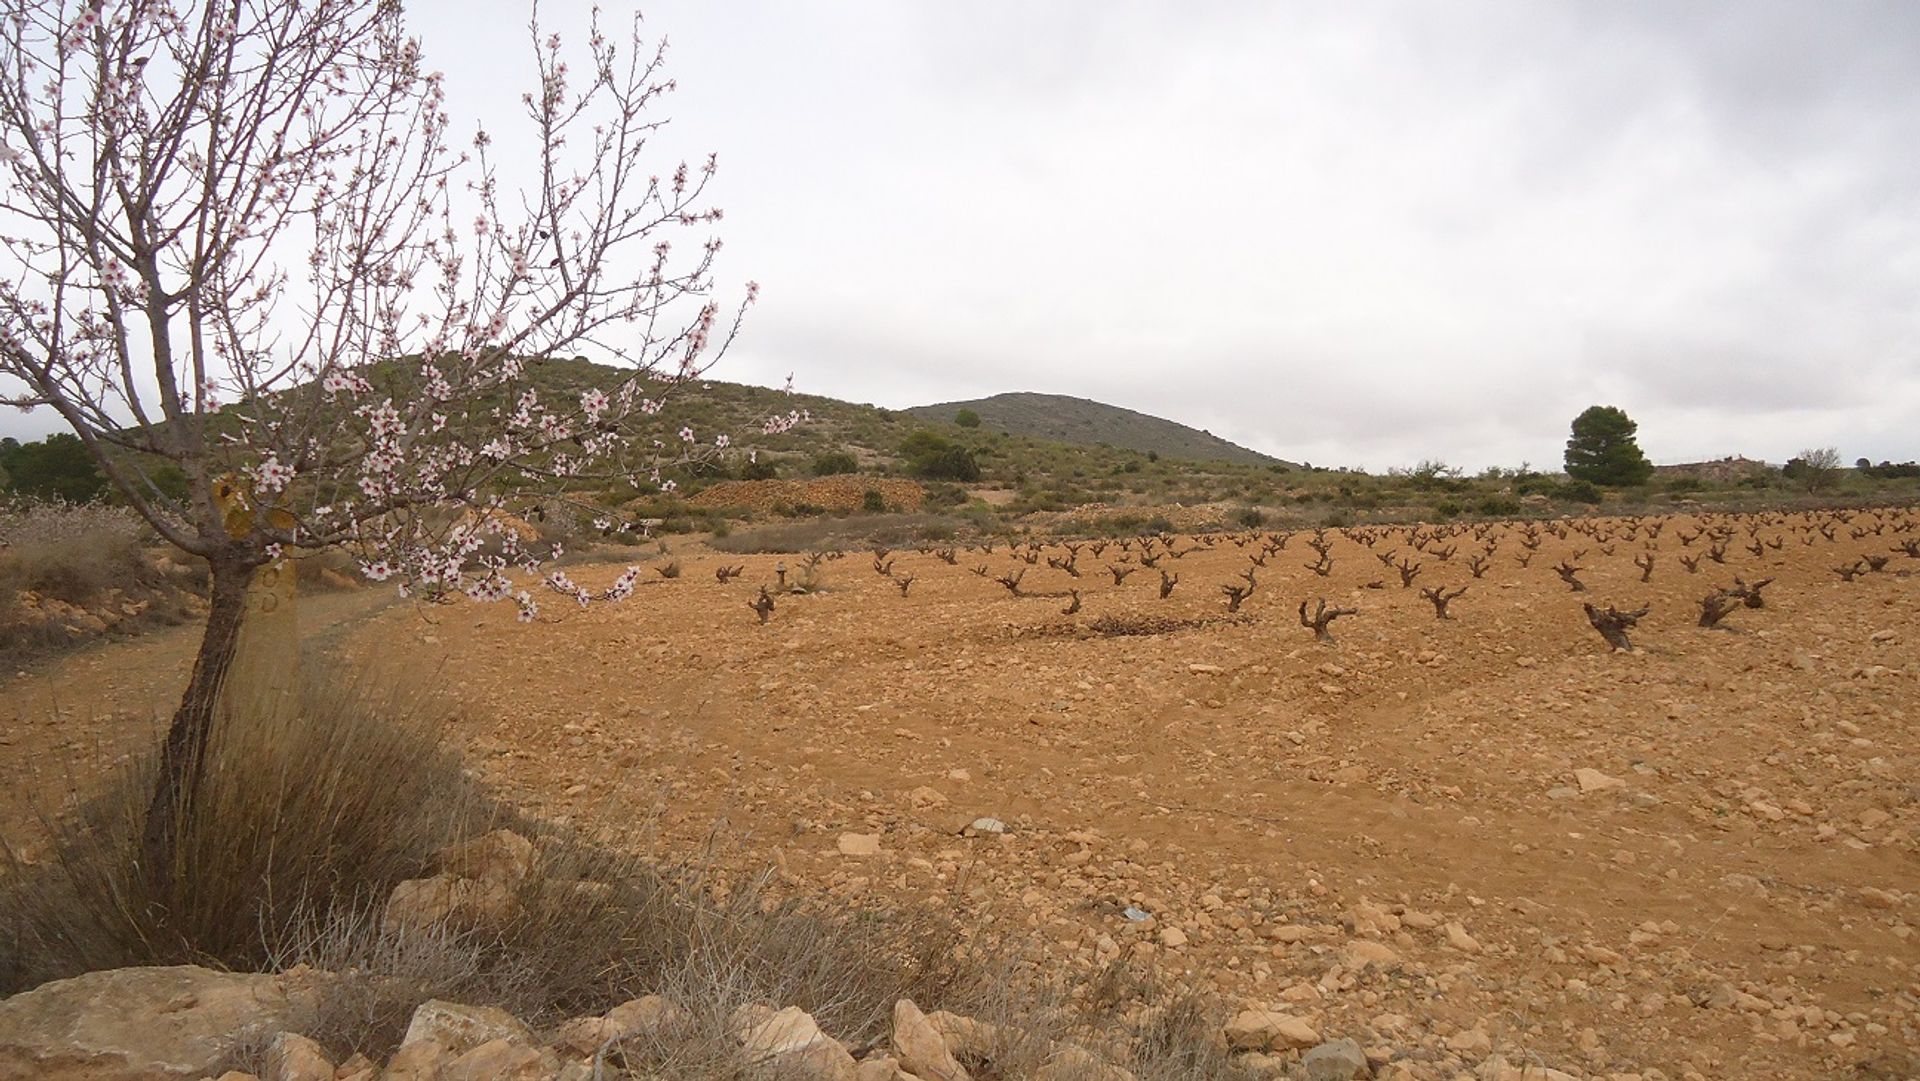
column 58, row 467
column 934, row 457
column 1602, row 449
column 285, row 305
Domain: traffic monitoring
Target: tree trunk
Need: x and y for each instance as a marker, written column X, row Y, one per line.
column 183, row 755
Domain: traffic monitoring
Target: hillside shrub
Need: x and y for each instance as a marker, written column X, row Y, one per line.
column 934, row 457
column 57, row 467
column 1888, row 470
column 1580, row 491
column 943, row 495
column 1499, row 506
column 833, row 463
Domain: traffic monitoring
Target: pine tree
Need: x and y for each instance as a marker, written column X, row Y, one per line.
column 1602, row 449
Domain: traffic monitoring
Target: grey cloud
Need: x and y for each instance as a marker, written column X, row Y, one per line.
column 1355, row 234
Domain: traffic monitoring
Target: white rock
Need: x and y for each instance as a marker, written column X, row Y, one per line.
column 1254, row 1030
column 1592, row 780
column 921, row 1049
column 859, row 844
column 136, row 1024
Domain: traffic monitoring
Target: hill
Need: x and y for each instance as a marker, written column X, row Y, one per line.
column 1105, row 464
column 1065, row 419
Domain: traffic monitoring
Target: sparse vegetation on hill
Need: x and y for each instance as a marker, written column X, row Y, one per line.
column 1029, row 481
column 1060, row 418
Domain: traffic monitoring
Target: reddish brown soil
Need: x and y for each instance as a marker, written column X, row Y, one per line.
column 1741, row 906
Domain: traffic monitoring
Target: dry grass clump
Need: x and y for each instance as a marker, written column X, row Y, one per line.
column 318, row 803
column 593, row 930
column 71, row 572
column 314, row 803
column 1124, row 626
column 69, row 552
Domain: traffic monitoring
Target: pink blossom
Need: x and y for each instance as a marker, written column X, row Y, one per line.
column 270, row 476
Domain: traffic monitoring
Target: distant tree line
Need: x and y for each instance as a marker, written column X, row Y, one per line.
column 1887, row 470
column 59, row 467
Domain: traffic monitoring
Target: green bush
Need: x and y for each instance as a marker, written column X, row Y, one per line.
column 832, row 463
column 760, row 468
column 1580, row 491
column 967, row 418
column 58, row 467
column 872, row 501
column 1499, row 506
column 1249, row 517
column 934, row 457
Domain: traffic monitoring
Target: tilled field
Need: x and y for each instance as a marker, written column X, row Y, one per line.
column 1483, row 838
column 1463, row 843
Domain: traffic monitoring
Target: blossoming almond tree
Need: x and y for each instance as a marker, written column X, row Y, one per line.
column 240, row 240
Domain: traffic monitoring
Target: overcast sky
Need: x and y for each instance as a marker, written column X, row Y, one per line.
column 1350, row 233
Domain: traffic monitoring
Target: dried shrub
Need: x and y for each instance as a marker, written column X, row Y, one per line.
column 315, row 804
column 313, row 814
column 70, row 552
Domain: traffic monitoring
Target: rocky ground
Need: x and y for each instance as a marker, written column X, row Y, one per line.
column 1467, row 845
column 183, row 1023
